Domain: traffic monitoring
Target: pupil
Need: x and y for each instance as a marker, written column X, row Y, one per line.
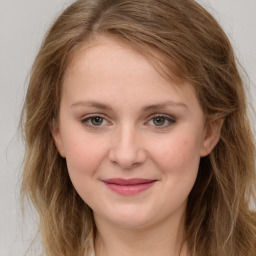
column 158, row 121
column 97, row 120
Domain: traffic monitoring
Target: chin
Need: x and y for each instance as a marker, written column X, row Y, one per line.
column 131, row 218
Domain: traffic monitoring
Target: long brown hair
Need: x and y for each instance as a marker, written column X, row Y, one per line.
column 184, row 42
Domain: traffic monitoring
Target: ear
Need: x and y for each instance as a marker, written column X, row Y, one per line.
column 212, row 136
column 57, row 138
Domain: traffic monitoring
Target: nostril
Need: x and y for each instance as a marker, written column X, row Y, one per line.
column 127, row 160
column 126, row 149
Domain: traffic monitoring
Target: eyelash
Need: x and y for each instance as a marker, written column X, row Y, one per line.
column 171, row 120
column 89, row 118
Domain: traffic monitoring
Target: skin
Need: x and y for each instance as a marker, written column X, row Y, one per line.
column 107, row 79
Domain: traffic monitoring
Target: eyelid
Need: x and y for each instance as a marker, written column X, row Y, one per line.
column 171, row 119
column 85, row 118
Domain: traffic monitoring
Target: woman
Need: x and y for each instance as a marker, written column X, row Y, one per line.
column 137, row 136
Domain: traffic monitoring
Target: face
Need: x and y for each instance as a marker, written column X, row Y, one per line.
column 131, row 139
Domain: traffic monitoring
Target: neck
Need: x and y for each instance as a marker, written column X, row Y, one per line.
column 164, row 238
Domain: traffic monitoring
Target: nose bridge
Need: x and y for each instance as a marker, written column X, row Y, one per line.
column 127, row 150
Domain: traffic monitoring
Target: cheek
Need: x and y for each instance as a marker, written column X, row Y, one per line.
column 83, row 156
column 178, row 154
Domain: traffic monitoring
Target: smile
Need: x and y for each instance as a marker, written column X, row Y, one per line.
column 128, row 186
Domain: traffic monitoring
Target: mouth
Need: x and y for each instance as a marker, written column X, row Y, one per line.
column 129, row 186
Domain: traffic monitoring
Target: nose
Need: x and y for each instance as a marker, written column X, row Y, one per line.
column 126, row 148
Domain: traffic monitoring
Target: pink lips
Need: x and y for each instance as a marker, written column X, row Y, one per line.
column 130, row 186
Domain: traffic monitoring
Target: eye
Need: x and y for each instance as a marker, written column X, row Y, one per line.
column 95, row 121
column 161, row 121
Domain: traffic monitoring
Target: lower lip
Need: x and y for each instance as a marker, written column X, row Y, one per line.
column 129, row 189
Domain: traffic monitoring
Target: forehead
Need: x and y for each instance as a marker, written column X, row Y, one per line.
column 165, row 66
column 108, row 67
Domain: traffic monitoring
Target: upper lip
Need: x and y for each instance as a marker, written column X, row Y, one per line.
column 126, row 182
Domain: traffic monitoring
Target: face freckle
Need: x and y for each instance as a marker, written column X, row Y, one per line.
column 112, row 81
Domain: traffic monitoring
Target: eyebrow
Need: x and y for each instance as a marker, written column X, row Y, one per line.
column 144, row 109
column 164, row 105
column 92, row 104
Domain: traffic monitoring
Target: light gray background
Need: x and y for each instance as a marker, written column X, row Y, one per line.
column 22, row 26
